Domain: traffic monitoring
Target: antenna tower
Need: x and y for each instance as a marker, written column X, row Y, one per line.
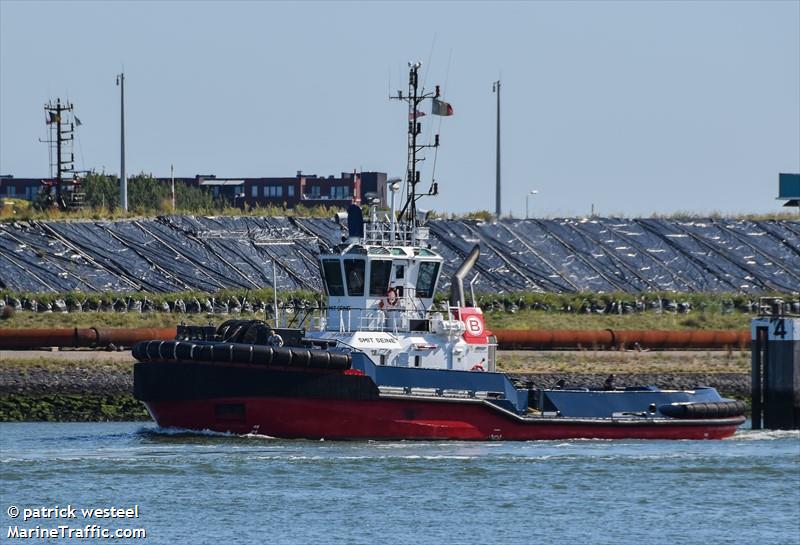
column 61, row 137
column 415, row 98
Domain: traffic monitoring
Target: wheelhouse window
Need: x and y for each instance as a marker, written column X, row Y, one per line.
column 379, row 273
column 426, row 280
column 332, row 273
column 354, row 273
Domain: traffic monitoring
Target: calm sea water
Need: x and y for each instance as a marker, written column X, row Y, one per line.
column 196, row 488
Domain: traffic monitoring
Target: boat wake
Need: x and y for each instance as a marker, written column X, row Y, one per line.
column 764, row 435
column 182, row 432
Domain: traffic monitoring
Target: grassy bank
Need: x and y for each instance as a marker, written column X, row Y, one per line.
column 537, row 319
column 503, row 311
column 521, row 319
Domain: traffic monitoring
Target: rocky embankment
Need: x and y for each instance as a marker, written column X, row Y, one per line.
column 730, row 384
column 68, row 391
column 56, row 388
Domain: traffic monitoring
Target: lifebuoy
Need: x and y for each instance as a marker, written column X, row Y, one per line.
column 477, row 367
column 391, row 297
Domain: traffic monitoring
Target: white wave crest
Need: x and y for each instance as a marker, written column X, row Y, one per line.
column 765, row 435
column 183, row 432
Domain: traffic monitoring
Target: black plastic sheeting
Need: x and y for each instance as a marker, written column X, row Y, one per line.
column 178, row 253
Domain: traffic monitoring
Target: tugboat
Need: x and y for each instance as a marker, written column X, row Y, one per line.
column 385, row 362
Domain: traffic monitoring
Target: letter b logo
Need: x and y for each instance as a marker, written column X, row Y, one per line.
column 474, row 326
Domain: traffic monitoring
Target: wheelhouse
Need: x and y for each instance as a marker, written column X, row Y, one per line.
column 379, row 287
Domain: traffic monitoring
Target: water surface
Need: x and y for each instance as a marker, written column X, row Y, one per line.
column 213, row 488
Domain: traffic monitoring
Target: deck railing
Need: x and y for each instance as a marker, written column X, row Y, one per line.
column 380, row 233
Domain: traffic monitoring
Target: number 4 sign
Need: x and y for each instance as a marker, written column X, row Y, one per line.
column 783, row 329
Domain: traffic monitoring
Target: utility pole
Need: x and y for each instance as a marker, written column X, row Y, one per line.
column 274, row 293
column 172, row 175
column 123, row 180
column 496, row 89
column 527, row 197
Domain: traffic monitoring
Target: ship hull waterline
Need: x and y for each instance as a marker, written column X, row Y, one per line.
column 401, row 419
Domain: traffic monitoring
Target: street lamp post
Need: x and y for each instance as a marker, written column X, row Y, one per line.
column 394, row 185
column 533, row 192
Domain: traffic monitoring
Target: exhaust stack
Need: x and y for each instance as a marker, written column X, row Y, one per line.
column 457, row 285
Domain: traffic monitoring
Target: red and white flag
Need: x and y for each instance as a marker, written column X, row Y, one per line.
column 440, row 107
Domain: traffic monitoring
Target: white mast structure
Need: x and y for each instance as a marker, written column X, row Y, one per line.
column 381, row 279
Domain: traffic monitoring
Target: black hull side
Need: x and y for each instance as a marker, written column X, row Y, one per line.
column 189, row 380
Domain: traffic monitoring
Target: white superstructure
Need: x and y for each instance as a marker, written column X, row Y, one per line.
column 380, row 282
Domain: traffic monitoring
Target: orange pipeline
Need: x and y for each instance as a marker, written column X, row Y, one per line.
column 549, row 339
column 75, row 337
column 508, row 339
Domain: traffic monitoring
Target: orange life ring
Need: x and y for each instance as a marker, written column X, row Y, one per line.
column 391, row 297
column 477, row 367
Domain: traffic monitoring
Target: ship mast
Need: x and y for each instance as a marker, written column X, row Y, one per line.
column 415, row 97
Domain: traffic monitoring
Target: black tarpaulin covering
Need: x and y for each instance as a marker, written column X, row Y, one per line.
column 177, row 253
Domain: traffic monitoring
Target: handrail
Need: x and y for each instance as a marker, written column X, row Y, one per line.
column 392, row 319
column 404, row 234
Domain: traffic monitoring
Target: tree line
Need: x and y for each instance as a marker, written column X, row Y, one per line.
column 146, row 194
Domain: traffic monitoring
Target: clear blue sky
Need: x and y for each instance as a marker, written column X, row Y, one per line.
column 637, row 107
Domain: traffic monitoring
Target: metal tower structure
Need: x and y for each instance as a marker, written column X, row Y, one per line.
column 63, row 181
column 415, row 97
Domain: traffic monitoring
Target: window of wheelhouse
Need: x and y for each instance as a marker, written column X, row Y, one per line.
column 354, row 273
column 379, row 273
column 426, row 279
column 332, row 274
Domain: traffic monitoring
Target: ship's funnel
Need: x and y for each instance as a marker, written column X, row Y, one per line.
column 457, row 285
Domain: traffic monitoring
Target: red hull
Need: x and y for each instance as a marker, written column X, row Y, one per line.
column 414, row 419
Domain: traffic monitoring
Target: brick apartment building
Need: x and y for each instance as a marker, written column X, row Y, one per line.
column 306, row 189
column 20, row 188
